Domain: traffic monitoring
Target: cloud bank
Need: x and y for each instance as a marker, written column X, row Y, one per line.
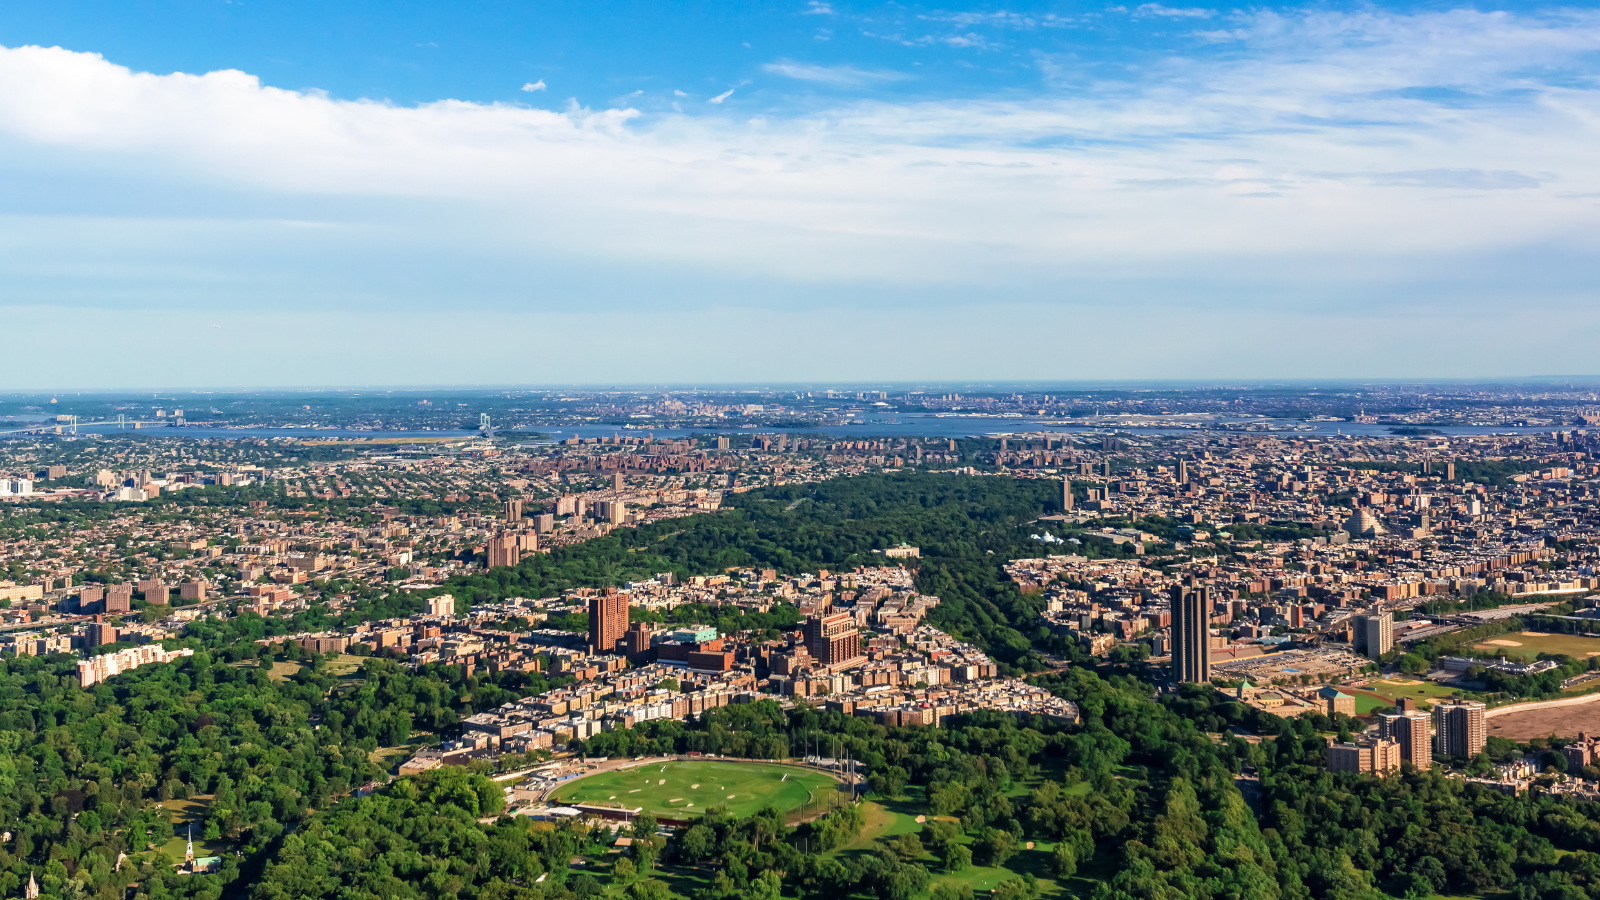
column 1335, row 174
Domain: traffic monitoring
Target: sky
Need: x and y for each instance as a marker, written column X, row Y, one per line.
column 204, row 193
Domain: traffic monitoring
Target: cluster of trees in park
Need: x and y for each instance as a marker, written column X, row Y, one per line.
column 1420, row 833
column 1414, row 835
column 393, row 699
column 967, row 529
column 82, row 772
column 420, row 838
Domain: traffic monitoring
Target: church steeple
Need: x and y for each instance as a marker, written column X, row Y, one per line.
column 31, row 892
column 188, row 853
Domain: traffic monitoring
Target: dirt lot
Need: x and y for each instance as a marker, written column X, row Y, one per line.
column 1562, row 721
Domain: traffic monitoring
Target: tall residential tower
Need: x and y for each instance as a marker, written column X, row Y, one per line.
column 1191, row 632
column 608, row 620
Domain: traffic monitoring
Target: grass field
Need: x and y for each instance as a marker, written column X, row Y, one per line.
column 683, row 790
column 1528, row 645
column 345, row 667
column 1035, row 862
column 1395, row 688
column 1366, row 703
column 183, row 812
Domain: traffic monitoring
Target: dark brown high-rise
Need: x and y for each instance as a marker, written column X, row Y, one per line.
column 833, row 640
column 608, row 620
column 1191, row 633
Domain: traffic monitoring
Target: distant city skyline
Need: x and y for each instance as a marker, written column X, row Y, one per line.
column 287, row 195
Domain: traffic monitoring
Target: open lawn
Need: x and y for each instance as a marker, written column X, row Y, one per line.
column 683, row 790
column 887, row 819
column 184, row 812
column 1393, row 689
column 1035, row 862
column 1526, row 646
column 1366, row 703
column 389, row 757
column 344, row 665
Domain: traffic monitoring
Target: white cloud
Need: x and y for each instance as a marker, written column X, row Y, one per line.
column 1335, row 172
column 1001, row 19
column 819, row 8
column 722, row 96
column 532, row 86
column 838, row 75
column 1156, row 9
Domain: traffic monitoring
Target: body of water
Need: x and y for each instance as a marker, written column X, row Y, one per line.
column 868, row 426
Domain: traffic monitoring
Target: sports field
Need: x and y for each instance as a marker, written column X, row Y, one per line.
column 1527, row 645
column 682, row 790
column 1395, row 688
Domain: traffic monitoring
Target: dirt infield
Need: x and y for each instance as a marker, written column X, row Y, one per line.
column 1561, row 721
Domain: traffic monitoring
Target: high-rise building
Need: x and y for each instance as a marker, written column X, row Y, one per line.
column 608, row 620
column 636, row 642
column 544, row 523
column 613, row 511
column 1458, row 728
column 99, row 634
column 616, row 482
column 833, row 641
column 1375, row 634
column 503, row 550
column 1410, row 730
column 442, row 605
column 1183, row 471
column 1191, row 633
column 1066, row 494
column 1368, row 757
column 90, row 596
column 155, row 591
column 119, row 598
column 513, row 511
column 1449, row 471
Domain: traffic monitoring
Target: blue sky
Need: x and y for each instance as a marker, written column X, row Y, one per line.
column 304, row 193
column 601, row 53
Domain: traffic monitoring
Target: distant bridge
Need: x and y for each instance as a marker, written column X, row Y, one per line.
column 73, row 423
